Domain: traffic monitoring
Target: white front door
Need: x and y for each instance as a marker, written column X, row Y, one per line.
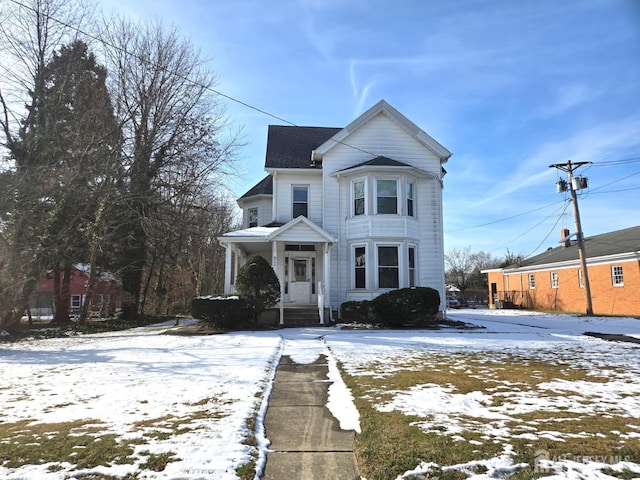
column 299, row 280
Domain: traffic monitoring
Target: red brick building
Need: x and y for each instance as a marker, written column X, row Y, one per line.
column 553, row 280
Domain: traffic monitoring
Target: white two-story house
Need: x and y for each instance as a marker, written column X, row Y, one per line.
column 346, row 213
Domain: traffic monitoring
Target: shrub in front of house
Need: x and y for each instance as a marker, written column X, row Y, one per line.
column 405, row 307
column 357, row 312
column 258, row 285
column 226, row 313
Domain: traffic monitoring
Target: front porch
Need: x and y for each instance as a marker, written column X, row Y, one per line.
column 299, row 253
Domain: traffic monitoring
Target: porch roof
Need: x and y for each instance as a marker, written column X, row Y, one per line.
column 298, row 230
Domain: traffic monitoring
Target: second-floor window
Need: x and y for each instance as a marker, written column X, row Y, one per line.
column 387, row 196
column 358, row 198
column 253, row 217
column 300, row 201
column 410, row 194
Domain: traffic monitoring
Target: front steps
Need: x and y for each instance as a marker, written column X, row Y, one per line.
column 303, row 316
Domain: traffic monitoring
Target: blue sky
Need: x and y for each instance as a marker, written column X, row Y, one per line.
column 509, row 86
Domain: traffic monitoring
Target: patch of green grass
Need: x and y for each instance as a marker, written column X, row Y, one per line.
column 392, row 443
column 79, row 443
column 157, row 462
column 247, row 471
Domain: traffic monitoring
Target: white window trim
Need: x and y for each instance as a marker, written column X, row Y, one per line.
column 353, row 197
column 367, row 265
column 532, row 281
column 71, row 302
column 293, row 187
column 613, row 276
column 255, row 209
column 415, row 264
column 406, row 198
column 401, row 263
column 555, row 280
column 399, row 195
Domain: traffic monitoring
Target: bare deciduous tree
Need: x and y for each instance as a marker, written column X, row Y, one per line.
column 173, row 125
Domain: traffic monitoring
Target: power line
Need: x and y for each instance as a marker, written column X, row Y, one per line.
column 502, row 219
column 180, row 76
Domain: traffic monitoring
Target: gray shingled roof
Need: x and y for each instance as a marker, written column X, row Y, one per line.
column 612, row 243
column 263, row 187
column 379, row 161
column 290, row 147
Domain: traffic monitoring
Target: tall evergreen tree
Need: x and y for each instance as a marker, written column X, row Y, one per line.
column 66, row 151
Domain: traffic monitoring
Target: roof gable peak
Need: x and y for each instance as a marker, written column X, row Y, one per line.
column 383, row 107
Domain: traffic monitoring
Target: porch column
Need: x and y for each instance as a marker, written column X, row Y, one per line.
column 274, row 265
column 326, row 273
column 227, row 269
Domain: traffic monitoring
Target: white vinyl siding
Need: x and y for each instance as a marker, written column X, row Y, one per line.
column 424, row 229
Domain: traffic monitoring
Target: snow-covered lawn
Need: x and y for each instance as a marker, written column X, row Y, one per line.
column 192, row 396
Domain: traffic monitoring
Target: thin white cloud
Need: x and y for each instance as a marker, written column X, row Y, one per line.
column 567, row 98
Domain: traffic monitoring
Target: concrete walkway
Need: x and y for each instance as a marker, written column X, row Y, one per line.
column 306, row 440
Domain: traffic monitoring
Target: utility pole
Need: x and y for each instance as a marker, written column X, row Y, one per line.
column 569, row 167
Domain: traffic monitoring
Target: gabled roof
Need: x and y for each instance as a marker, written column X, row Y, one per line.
column 381, row 161
column 291, row 147
column 382, row 107
column 263, row 187
column 607, row 244
column 300, row 228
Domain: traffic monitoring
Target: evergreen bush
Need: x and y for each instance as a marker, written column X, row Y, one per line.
column 220, row 312
column 405, row 307
column 258, row 285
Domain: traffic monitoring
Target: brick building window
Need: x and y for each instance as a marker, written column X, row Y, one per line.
column 532, row 281
column 554, row 279
column 616, row 276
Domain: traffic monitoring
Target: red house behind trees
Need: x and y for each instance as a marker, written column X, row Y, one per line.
column 104, row 300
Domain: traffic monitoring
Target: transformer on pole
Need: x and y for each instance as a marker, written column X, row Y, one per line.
column 573, row 184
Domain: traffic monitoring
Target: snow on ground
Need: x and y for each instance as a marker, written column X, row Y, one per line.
column 131, row 382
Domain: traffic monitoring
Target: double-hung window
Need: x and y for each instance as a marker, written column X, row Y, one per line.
column 616, row 276
column 532, row 281
column 360, row 267
column 359, row 198
column 300, row 201
column 411, row 264
column 388, row 267
column 554, row 280
column 253, row 217
column 387, row 196
column 410, row 199
column 76, row 301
